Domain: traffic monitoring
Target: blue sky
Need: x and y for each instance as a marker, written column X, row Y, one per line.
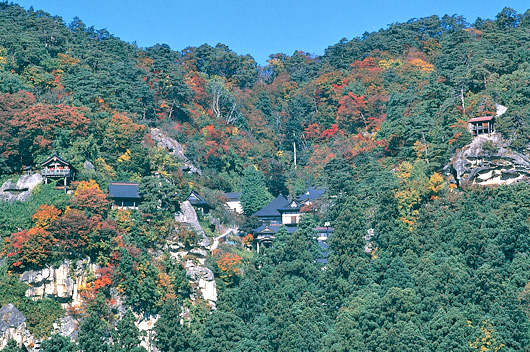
column 257, row 27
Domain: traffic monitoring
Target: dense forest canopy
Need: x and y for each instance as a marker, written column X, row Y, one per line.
column 374, row 120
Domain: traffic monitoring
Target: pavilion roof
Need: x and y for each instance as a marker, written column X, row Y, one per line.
column 481, row 119
column 124, row 190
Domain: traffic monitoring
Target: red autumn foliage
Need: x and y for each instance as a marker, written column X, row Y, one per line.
column 31, row 247
column 330, row 132
column 88, row 196
column 37, row 124
column 72, row 230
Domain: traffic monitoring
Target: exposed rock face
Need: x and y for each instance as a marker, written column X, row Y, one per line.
column 175, row 149
column 67, row 326
column 488, row 160
column 87, row 165
column 188, row 216
column 58, row 282
column 204, row 279
column 13, row 326
column 21, row 190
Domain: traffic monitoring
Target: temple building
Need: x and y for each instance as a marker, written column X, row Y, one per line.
column 198, row 202
column 286, row 212
column 482, row 125
column 233, row 202
column 55, row 167
column 124, row 195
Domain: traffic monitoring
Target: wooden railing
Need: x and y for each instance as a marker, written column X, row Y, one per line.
column 56, row 172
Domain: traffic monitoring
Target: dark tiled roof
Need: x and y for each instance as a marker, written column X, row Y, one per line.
column 233, row 195
column 195, row 199
column 271, row 209
column 124, row 190
column 311, row 193
column 291, row 206
column 274, row 228
column 45, row 162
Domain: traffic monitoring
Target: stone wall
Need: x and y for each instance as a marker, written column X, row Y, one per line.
column 488, row 160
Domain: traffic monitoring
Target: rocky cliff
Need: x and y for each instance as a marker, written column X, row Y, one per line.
column 174, row 148
column 488, row 160
column 13, row 326
column 62, row 283
column 20, row 190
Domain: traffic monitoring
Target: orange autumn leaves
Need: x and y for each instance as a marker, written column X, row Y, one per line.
column 55, row 232
column 230, row 265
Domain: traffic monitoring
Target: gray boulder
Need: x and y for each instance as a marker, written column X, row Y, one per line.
column 188, row 215
column 174, row 148
column 198, row 272
column 10, row 317
column 488, row 160
column 87, row 165
column 21, row 190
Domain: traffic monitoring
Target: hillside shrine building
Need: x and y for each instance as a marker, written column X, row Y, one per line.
column 283, row 212
column 56, row 167
column 482, row 125
column 124, row 195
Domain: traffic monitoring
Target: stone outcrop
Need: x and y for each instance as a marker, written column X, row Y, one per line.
column 488, row 160
column 62, row 283
column 13, row 326
column 174, row 148
column 187, row 216
column 20, row 190
column 204, row 280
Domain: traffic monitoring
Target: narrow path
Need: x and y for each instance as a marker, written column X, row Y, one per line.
column 215, row 243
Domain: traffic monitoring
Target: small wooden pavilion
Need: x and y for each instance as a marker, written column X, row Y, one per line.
column 482, row 125
column 56, row 167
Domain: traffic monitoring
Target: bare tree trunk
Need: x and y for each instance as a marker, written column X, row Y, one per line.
column 462, row 99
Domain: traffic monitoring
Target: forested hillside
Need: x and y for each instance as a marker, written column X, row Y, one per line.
column 374, row 120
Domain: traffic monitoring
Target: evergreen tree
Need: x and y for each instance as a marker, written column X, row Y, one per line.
column 12, row 346
column 58, row 343
column 346, row 243
column 93, row 334
column 254, row 193
column 225, row 331
column 127, row 335
column 171, row 335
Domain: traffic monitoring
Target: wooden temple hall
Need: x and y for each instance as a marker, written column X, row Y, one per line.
column 482, row 125
column 57, row 168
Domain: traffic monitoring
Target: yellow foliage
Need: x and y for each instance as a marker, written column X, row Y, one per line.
column 67, row 60
column 404, row 170
column 389, row 63
column 86, row 185
column 125, row 156
column 123, row 218
column 422, row 65
column 102, row 166
column 436, row 182
column 420, row 149
column 3, row 58
column 486, row 342
column 164, row 162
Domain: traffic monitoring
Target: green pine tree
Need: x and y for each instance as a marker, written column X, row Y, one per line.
column 171, row 334
column 58, row 343
column 93, row 334
column 126, row 338
column 254, row 193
